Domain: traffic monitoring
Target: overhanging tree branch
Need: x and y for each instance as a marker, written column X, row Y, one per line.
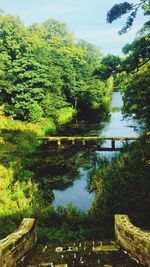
column 118, row 10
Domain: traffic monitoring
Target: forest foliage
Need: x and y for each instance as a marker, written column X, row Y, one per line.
column 45, row 71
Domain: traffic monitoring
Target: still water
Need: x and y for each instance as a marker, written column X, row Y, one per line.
column 72, row 165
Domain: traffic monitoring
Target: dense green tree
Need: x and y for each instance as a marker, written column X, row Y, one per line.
column 137, row 94
column 30, row 83
column 56, row 29
column 12, row 36
column 110, row 65
column 92, row 58
column 5, row 85
column 138, row 52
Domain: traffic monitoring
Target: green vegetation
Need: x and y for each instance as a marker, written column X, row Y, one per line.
column 137, row 94
column 69, row 225
column 110, row 64
column 122, row 185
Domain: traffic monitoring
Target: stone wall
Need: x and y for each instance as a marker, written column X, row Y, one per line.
column 132, row 239
column 17, row 244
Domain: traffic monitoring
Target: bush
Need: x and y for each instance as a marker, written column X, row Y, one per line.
column 64, row 115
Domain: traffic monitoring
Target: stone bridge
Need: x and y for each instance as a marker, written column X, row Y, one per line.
column 88, row 140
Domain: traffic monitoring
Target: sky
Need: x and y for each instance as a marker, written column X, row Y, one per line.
column 85, row 18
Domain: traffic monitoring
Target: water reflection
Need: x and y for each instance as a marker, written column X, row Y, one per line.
column 76, row 194
column 118, row 125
